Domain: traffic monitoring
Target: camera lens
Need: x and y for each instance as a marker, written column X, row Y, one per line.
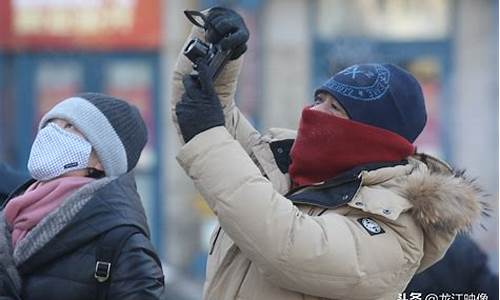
column 196, row 49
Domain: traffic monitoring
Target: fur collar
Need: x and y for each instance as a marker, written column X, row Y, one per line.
column 443, row 199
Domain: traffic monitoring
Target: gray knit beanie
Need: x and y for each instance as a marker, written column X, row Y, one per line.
column 113, row 127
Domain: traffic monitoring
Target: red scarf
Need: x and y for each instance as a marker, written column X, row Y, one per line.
column 42, row 197
column 327, row 145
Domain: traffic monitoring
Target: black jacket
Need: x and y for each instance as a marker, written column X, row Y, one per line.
column 463, row 270
column 63, row 265
column 10, row 180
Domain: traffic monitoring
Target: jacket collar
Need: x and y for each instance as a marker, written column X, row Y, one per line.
column 339, row 190
column 92, row 210
column 19, row 190
column 442, row 198
column 55, row 221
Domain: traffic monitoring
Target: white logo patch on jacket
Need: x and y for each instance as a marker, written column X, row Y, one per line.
column 371, row 226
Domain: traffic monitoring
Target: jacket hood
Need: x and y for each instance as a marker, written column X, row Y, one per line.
column 444, row 203
column 443, row 200
column 92, row 210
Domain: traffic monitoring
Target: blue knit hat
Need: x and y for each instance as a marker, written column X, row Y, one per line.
column 381, row 95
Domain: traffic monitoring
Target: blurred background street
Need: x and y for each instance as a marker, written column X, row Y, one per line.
column 52, row 49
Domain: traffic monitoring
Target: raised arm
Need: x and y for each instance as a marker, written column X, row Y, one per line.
column 225, row 87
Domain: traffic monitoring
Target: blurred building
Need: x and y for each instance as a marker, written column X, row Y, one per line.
column 50, row 49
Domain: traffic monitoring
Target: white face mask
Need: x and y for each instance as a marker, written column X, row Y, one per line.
column 56, row 151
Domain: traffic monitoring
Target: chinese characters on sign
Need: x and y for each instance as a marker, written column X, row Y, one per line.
column 90, row 24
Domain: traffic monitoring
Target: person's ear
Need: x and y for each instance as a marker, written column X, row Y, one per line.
column 98, row 166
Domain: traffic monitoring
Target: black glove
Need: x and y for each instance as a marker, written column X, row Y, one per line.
column 226, row 26
column 200, row 108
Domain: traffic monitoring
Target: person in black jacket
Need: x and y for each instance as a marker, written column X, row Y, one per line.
column 77, row 229
column 11, row 179
column 462, row 271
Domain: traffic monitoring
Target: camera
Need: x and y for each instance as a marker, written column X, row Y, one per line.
column 197, row 49
column 213, row 53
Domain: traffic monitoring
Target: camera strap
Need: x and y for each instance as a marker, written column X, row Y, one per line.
column 194, row 16
column 198, row 19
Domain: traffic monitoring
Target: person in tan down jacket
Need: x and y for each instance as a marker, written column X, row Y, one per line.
column 343, row 208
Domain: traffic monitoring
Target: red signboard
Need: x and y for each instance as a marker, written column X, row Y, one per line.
column 78, row 24
column 4, row 23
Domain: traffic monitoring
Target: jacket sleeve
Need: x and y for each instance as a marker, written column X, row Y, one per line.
column 138, row 274
column 329, row 256
column 225, row 86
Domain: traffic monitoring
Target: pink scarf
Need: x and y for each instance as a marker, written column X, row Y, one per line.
column 24, row 212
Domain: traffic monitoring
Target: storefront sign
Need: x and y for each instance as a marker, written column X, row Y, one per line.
column 81, row 24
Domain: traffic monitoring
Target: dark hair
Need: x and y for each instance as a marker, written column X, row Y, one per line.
column 96, row 174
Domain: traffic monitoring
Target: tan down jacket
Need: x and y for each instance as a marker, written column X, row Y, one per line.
column 400, row 220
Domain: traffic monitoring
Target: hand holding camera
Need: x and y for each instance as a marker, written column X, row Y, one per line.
column 226, row 34
column 227, row 28
column 200, row 108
